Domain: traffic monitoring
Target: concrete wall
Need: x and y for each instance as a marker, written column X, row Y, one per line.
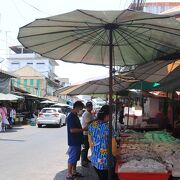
column 151, row 107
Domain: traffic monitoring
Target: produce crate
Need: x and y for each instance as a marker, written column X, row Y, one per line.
column 142, row 176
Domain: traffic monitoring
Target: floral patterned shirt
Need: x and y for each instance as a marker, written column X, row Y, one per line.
column 99, row 132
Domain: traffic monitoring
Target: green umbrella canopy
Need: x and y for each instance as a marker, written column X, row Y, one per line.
column 143, row 85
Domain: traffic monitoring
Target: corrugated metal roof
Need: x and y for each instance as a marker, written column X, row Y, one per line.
column 7, row 74
column 19, row 49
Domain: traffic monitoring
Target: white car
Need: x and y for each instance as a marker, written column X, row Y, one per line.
column 64, row 107
column 51, row 116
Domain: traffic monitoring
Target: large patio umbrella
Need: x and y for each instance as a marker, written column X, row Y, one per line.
column 104, row 38
column 151, row 74
column 171, row 82
column 65, row 90
column 154, row 71
column 48, row 102
column 98, row 86
column 86, row 36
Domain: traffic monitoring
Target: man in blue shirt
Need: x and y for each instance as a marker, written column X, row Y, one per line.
column 75, row 139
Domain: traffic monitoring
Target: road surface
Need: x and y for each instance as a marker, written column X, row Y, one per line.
column 31, row 153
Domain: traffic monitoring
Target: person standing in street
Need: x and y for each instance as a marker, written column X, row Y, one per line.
column 12, row 115
column 99, row 132
column 87, row 118
column 3, row 112
column 75, row 140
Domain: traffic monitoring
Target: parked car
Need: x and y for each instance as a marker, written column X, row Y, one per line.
column 66, row 109
column 51, row 116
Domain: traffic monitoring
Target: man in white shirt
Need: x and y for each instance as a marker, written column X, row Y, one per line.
column 87, row 118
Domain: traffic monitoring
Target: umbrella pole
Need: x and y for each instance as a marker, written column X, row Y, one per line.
column 173, row 107
column 110, row 104
column 117, row 110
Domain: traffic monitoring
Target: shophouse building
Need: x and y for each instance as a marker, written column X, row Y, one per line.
column 36, row 73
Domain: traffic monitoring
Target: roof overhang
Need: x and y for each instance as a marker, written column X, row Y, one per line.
column 7, row 74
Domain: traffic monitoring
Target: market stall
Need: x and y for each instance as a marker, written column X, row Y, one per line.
column 154, row 154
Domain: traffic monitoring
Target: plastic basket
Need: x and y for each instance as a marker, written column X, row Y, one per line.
column 33, row 123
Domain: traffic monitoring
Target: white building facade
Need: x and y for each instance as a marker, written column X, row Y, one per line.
column 21, row 57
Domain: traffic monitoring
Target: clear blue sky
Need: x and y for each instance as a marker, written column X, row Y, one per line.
column 17, row 13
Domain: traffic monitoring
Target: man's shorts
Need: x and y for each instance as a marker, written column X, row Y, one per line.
column 74, row 153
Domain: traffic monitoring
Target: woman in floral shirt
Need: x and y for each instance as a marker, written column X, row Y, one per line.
column 99, row 132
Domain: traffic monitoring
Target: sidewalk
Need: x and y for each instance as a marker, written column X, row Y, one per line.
column 88, row 173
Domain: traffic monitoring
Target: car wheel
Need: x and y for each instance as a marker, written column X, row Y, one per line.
column 39, row 126
column 59, row 125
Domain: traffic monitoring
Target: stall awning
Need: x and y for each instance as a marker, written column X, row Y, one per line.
column 10, row 97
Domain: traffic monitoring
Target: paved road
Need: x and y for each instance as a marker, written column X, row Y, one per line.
column 31, row 153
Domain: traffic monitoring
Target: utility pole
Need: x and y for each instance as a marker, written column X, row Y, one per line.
column 7, row 49
column 138, row 5
column 0, row 22
column 6, row 37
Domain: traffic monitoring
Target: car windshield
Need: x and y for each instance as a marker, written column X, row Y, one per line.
column 48, row 110
column 64, row 108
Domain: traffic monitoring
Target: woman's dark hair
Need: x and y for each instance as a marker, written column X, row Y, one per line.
column 104, row 111
column 78, row 104
column 89, row 104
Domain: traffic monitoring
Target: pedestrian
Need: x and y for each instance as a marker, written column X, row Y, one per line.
column 75, row 139
column 99, row 133
column 4, row 122
column 0, row 122
column 87, row 118
column 12, row 115
column 121, row 113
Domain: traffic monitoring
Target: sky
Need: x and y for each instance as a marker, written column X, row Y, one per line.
column 17, row 13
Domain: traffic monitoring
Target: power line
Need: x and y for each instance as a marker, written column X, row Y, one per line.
column 37, row 9
column 18, row 10
column 127, row 2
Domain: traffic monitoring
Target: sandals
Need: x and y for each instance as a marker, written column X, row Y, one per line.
column 74, row 176
column 77, row 174
column 71, row 178
column 85, row 164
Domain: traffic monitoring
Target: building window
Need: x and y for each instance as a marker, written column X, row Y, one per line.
column 32, row 85
column 14, row 66
column 31, row 82
column 25, row 84
column 14, row 63
column 18, row 83
column 40, row 63
column 38, row 93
